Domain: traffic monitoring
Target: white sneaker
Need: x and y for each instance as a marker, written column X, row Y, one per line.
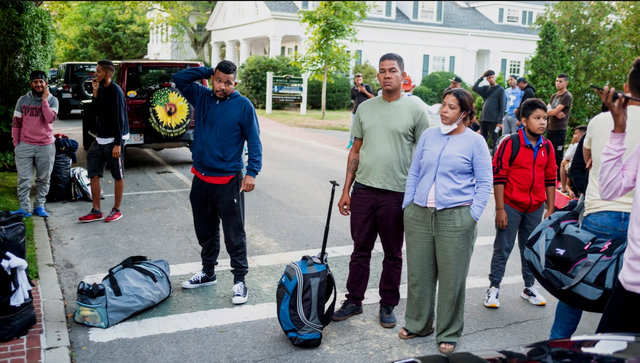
column 199, row 280
column 240, row 293
column 534, row 297
column 491, row 301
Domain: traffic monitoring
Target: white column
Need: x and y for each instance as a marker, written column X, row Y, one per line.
column 245, row 47
column 215, row 53
column 305, row 85
column 231, row 51
column 469, row 70
column 302, row 48
column 275, row 42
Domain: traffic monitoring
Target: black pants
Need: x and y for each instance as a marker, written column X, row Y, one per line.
column 557, row 138
column 621, row 314
column 210, row 204
column 488, row 128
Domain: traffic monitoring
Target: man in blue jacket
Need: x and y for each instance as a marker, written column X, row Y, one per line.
column 224, row 121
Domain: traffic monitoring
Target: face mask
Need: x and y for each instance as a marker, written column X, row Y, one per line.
column 446, row 129
column 533, row 134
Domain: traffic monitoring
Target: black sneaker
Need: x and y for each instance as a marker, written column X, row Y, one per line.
column 387, row 317
column 199, row 280
column 347, row 310
column 240, row 293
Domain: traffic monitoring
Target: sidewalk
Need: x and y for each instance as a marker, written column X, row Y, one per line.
column 48, row 340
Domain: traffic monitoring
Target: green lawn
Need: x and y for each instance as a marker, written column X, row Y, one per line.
column 9, row 201
column 334, row 120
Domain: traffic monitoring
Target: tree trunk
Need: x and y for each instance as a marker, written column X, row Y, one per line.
column 324, row 90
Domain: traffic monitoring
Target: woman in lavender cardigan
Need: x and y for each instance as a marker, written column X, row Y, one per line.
column 448, row 186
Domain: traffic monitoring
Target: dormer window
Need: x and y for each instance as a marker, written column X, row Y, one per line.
column 310, row 5
column 381, row 9
column 515, row 16
column 430, row 11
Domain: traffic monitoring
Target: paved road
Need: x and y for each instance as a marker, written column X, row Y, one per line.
column 285, row 219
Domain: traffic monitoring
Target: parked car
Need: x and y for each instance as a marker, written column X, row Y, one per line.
column 159, row 116
column 604, row 348
column 72, row 85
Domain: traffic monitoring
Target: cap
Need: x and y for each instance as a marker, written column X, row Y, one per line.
column 37, row 75
column 456, row 79
column 406, row 84
column 521, row 79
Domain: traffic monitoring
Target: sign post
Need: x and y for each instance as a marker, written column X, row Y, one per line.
column 286, row 89
column 269, row 91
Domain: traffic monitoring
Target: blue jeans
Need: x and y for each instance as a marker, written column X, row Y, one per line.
column 353, row 116
column 612, row 225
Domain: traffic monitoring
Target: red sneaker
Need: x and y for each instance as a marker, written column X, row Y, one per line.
column 91, row 217
column 113, row 216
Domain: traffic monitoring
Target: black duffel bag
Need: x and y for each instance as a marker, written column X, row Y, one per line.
column 14, row 320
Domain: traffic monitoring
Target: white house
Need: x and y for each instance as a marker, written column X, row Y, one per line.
column 163, row 44
column 464, row 37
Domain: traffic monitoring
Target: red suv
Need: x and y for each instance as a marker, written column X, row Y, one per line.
column 159, row 116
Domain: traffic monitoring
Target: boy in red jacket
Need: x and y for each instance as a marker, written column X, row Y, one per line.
column 524, row 177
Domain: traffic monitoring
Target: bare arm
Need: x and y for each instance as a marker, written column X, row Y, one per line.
column 586, row 154
column 501, row 214
column 551, row 199
column 353, row 161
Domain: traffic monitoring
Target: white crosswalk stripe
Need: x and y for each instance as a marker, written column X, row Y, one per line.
column 282, row 258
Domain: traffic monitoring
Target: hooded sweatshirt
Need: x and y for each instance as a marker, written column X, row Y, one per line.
column 529, row 92
column 221, row 127
column 33, row 119
column 494, row 102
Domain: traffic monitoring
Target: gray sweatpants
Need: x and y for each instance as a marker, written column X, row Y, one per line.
column 27, row 157
column 509, row 124
column 521, row 224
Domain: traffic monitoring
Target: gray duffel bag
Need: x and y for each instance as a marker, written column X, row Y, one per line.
column 134, row 285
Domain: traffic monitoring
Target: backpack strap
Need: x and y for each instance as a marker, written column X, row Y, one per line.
column 515, row 147
column 586, row 268
column 128, row 263
column 331, row 285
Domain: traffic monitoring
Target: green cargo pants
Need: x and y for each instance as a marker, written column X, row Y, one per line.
column 439, row 248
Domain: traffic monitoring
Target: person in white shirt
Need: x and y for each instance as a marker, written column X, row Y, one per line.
column 568, row 157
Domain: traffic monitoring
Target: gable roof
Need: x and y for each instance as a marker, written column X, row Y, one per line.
column 454, row 17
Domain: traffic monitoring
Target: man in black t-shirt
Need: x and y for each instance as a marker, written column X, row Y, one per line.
column 108, row 105
column 559, row 112
column 359, row 93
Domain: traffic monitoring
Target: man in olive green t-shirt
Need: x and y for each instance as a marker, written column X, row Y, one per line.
column 385, row 130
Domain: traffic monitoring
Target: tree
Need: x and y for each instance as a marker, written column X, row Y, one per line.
column 94, row 30
column 600, row 48
column 188, row 20
column 253, row 76
column 433, row 85
column 330, row 27
column 549, row 60
column 369, row 74
column 27, row 44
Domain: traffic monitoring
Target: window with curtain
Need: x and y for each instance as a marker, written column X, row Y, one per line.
column 438, row 64
column 513, row 15
column 427, row 10
column 377, row 7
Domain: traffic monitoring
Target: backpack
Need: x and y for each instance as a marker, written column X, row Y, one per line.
column 515, row 145
column 134, row 285
column 574, row 265
column 80, row 184
column 302, row 295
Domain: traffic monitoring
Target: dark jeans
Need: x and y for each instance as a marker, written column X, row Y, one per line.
column 487, row 129
column 521, row 224
column 557, row 138
column 210, row 204
column 611, row 225
column 376, row 212
column 621, row 314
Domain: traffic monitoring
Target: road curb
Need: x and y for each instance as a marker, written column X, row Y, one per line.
column 56, row 345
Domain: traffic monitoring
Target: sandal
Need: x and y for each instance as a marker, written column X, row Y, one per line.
column 411, row 335
column 446, row 350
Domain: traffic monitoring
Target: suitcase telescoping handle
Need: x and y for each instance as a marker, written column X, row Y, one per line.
column 326, row 228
